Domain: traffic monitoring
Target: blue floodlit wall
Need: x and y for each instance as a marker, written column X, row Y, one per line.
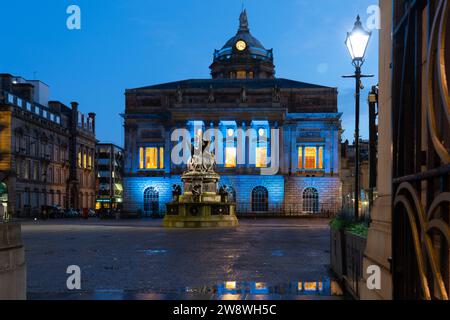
column 135, row 187
column 284, row 189
column 244, row 185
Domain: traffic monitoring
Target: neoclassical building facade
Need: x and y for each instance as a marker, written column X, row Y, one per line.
column 276, row 141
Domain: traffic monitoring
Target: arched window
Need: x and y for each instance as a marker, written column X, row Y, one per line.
column 260, row 199
column 310, row 200
column 151, row 202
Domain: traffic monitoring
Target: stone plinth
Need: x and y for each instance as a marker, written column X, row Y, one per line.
column 12, row 263
column 200, row 215
column 201, row 205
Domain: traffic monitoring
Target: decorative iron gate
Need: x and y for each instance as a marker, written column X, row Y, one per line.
column 421, row 142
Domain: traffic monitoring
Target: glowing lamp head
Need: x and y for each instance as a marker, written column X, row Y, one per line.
column 357, row 42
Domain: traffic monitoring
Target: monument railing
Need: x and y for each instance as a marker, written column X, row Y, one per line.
column 322, row 210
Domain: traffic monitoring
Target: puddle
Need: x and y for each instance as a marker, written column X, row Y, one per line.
column 153, row 252
column 278, row 253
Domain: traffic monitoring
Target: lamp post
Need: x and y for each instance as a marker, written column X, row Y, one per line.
column 356, row 42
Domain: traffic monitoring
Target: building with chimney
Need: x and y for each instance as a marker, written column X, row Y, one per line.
column 47, row 150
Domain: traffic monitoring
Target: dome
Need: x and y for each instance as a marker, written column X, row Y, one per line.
column 253, row 45
column 243, row 56
column 251, row 41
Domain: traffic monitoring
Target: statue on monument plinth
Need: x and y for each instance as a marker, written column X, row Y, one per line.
column 202, row 159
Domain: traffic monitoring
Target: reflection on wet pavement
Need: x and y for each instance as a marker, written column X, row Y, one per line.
column 264, row 259
column 230, row 290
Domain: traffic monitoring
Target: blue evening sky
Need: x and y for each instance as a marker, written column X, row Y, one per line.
column 132, row 43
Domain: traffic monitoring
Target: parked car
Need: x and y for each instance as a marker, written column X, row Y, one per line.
column 91, row 213
column 71, row 213
column 52, row 212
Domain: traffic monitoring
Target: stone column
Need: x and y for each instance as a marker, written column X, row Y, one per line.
column 13, row 283
column 378, row 251
column 242, row 149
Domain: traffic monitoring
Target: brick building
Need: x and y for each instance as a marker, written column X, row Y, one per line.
column 255, row 122
column 46, row 149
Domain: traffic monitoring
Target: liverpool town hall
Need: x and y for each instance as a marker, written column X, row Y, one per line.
column 276, row 141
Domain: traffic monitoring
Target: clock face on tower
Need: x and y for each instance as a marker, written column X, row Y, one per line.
column 241, row 45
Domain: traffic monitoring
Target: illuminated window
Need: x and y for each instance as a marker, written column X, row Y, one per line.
column 230, row 285
column 79, row 159
column 261, row 157
column 310, row 158
column 90, row 161
column 300, row 158
column 161, row 158
column 230, row 157
column 310, row 286
column 321, row 158
column 250, row 75
column 141, row 158
column 151, row 158
column 84, row 160
column 241, row 75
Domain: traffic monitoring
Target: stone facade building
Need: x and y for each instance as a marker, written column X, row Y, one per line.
column 47, row 149
column 255, row 120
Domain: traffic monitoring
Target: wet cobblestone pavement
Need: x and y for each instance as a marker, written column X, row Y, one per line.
column 276, row 259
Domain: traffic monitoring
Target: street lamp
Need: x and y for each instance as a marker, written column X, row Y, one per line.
column 356, row 42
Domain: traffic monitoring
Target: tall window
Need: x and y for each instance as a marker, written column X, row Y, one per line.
column 230, row 157
column 161, row 158
column 141, row 158
column 321, row 158
column 300, row 158
column 90, row 164
column 310, row 158
column 151, row 158
column 79, row 159
column 310, row 200
column 261, row 157
column 85, row 159
column 260, row 199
